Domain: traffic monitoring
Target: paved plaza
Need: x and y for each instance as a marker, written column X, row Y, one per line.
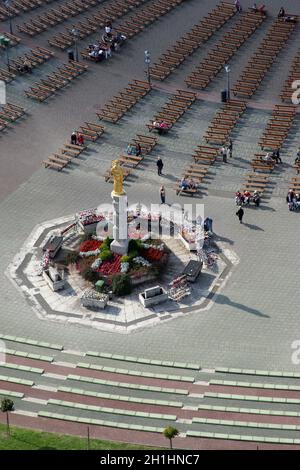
column 254, row 318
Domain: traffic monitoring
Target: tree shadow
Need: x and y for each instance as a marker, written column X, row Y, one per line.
column 224, row 299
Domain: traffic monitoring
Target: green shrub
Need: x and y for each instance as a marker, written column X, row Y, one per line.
column 105, row 255
column 89, row 275
column 106, row 244
column 121, row 284
column 125, row 259
column 132, row 254
column 135, row 245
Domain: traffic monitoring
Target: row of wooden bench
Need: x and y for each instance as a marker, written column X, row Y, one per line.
column 141, row 19
column 295, row 184
column 35, row 57
column 177, row 105
column 110, row 11
column 9, row 113
column 222, row 52
column 278, row 127
column 255, row 182
column 62, row 76
column 191, row 41
column 130, row 162
column 294, row 75
column 54, row 16
column 13, row 40
column 258, row 65
column 170, row 113
column 65, row 155
column 17, row 7
column 124, row 101
column 224, row 122
column 146, row 15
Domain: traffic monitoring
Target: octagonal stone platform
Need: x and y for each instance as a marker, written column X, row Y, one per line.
column 121, row 315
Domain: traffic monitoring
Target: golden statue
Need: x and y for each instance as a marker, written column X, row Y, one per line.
column 118, row 174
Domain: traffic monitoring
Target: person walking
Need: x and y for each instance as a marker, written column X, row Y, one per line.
column 160, row 166
column 162, row 193
column 240, row 214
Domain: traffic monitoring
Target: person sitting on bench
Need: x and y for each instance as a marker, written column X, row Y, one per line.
column 296, row 201
column 27, row 67
column 267, row 158
column 247, row 197
column 117, row 41
column 138, row 150
column 97, row 52
column 80, row 139
column 239, row 198
column 256, row 198
column 276, row 156
column 192, row 184
column 184, row 184
column 162, row 126
column 290, row 199
column 134, row 149
column 108, row 27
column 261, row 9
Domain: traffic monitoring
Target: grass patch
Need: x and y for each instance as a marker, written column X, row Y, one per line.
column 27, row 439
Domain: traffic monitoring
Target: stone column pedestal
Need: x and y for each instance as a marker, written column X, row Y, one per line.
column 120, row 228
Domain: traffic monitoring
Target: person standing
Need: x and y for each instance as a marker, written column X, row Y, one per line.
column 230, row 146
column 160, row 166
column 224, row 154
column 240, row 214
column 162, row 193
column 74, row 137
column 228, row 154
column 238, row 6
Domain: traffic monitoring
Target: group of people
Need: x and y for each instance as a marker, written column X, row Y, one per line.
column 77, row 138
column 109, row 42
column 282, row 14
column 134, row 149
column 293, row 200
column 25, row 66
column 244, row 198
column 226, row 151
column 272, row 157
column 186, row 184
column 161, row 126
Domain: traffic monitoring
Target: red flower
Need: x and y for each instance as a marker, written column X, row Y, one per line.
column 152, row 254
column 90, row 245
column 112, row 266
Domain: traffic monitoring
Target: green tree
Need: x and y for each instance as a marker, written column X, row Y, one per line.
column 7, row 405
column 170, row 433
